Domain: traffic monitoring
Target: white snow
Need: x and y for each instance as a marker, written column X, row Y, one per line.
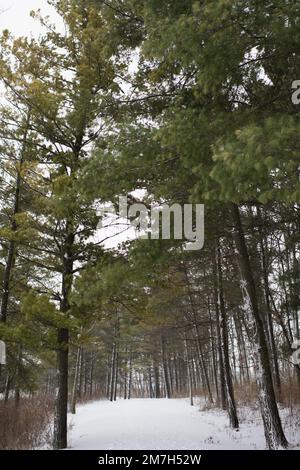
column 146, row 424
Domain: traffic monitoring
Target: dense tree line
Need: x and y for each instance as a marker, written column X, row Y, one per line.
column 189, row 102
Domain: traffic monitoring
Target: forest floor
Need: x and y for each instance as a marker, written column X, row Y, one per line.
column 168, row 424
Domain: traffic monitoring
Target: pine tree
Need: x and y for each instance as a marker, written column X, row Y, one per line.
column 69, row 82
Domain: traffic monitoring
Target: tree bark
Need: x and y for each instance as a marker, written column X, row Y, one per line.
column 61, row 407
column 231, row 406
column 219, row 338
column 165, row 368
column 75, row 383
column 112, row 370
column 156, row 379
column 130, row 375
column 92, row 374
column 189, row 374
column 272, row 348
column 274, row 434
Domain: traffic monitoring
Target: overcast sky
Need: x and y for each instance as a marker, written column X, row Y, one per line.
column 15, row 17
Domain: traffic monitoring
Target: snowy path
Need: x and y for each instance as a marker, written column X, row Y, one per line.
column 157, row 424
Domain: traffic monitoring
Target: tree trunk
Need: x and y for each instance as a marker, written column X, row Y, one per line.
column 270, row 330
column 116, row 373
column 108, row 374
column 130, row 376
column 61, row 408
column 202, row 364
column 7, row 388
column 165, row 369
column 92, row 374
column 151, row 393
column 112, row 371
column 156, row 379
column 75, row 384
column 125, row 375
column 219, row 338
column 189, row 374
column 81, row 368
column 272, row 425
column 231, row 406
column 214, row 362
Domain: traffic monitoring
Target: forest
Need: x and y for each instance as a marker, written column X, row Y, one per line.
column 182, row 102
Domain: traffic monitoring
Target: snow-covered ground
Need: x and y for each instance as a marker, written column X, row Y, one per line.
column 165, row 424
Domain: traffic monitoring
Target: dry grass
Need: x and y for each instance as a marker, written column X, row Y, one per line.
column 88, row 397
column 27, row 427
column 290, row 395
column 246, row 395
